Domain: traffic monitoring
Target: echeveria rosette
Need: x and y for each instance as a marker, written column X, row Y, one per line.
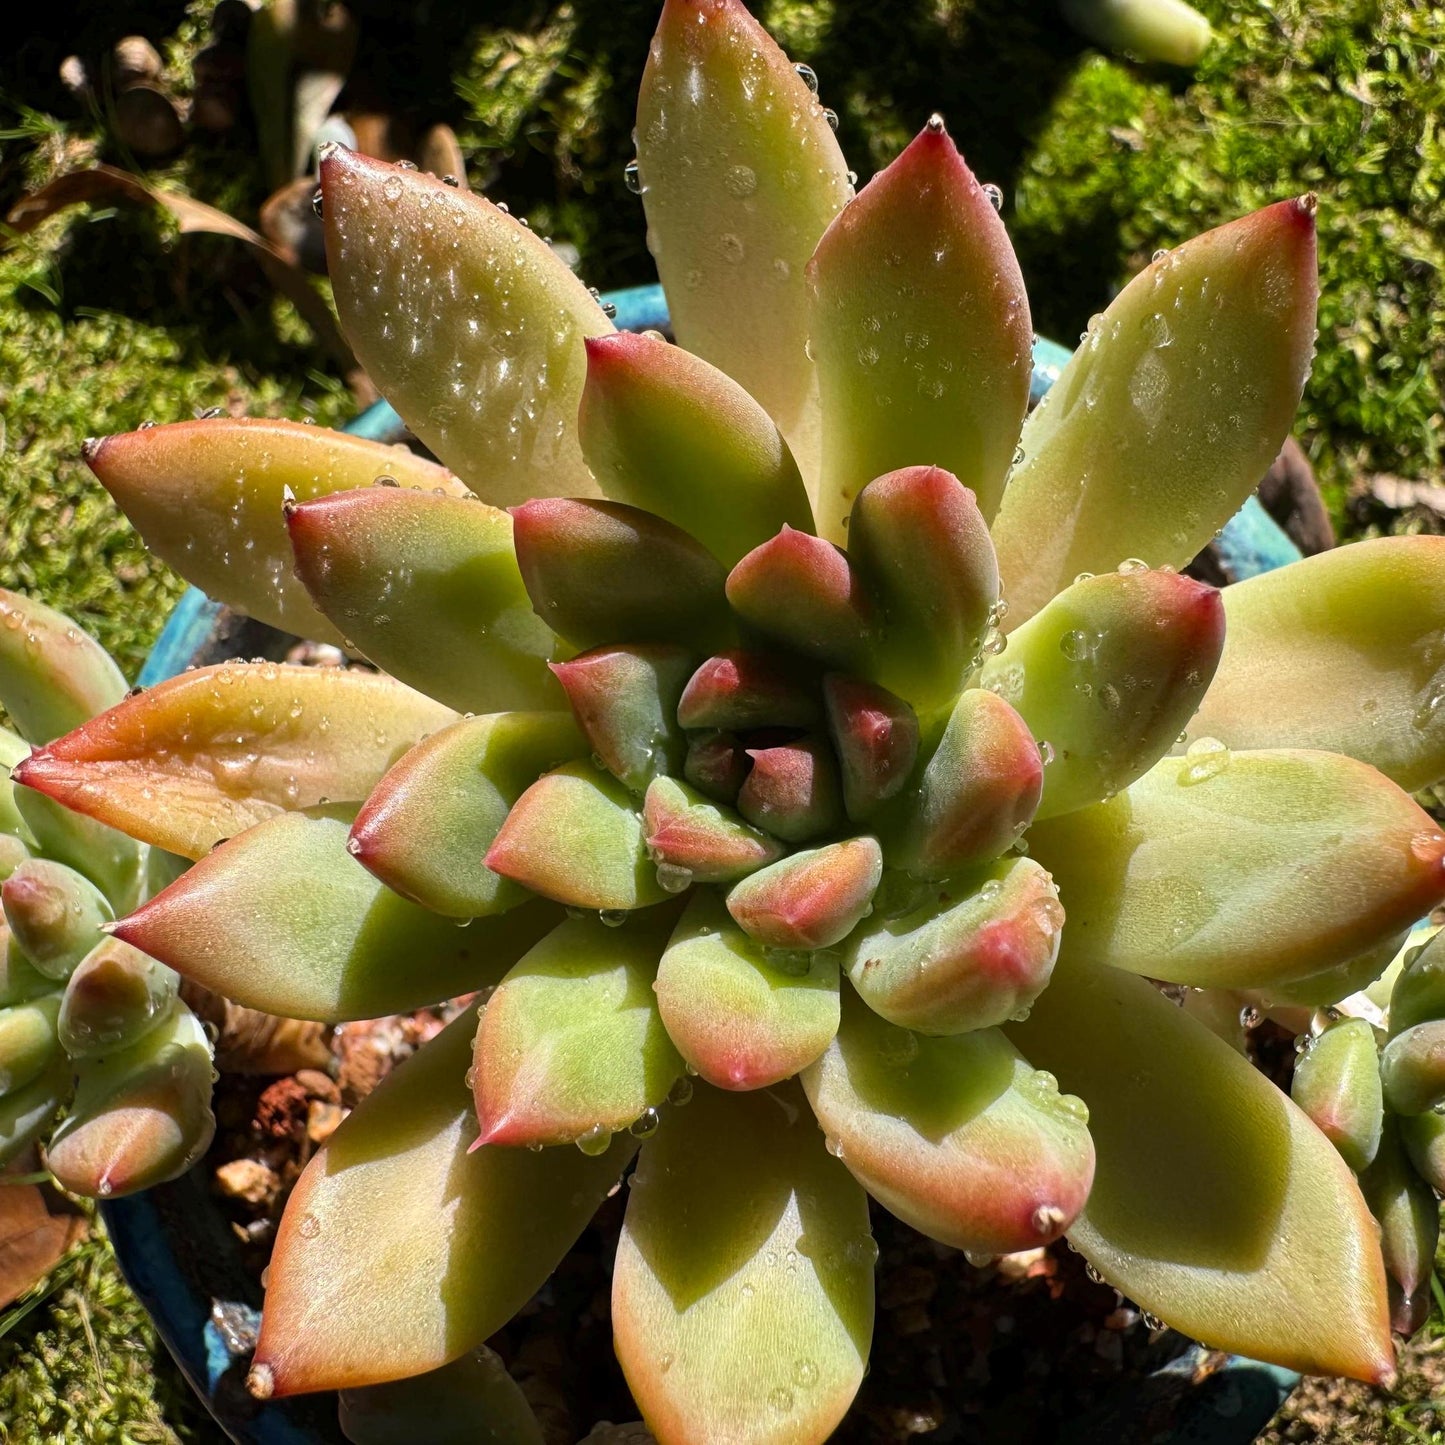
column 802, row 753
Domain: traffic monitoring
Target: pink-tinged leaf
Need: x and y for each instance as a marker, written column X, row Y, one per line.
column 920, row 329
column 428, row 823
column 1148, row 443
column 115, row 996
column 700, row 841
column 625, row 701
column 742, row 1298
column 207, row 754
column 1412, row 1068
column 25, row 1114
column 1409, row 1217
column 570, row 1046
column 53, row 676
column 740, row 175
column 1216, row 1204
column 1108, row 674
column 976, row 795
column 969, row 954
column 743, row 1016
column 811, row 899
column 55, row 915
column 468, row 323
column 959, row 1137
column 27, row 1041
column 1243, row 870
column 739, row 690
column 112, row 861
column 428, row 588
column 1423, row 1136
column 600, row 573
column 921, row 546
column 1417, row 993
column 875, row 737
column 402, row 1247
column 141, row 1116
column 656, row 419
column 800, row 590
column 1340, row 652
column 792, row 791
column 1159, row 31
column 1337, row 1083
column 283, row 919
column 716, row 764
column 576, row 836
column 207, row 497
column 472, row 1401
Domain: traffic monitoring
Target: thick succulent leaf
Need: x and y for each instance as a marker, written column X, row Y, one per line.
column 428, row 588
column 1244, row 1230
column 698, row 841
column 600, row 573
column 717, row 764
column 625, row 701
column 875, row 736
column 1333, row 984
column 960, row 1137
column 1343, row 652
column 115, row 996
column 919, row 326
column 1417, row 995
column 13, row 749
column 12, row 854
column 27, row 1041
column 1409, row 1216
column 20, row 980
column 472, row 1401
column 1412, row 1068
column 793, row 791
column 207, row 496
column 55, row 915
column 743, row 1016
column 921, row 546
column 141, row 1116
column 664, row 431
column 53, row 676
column 284, row 919
column 1423, row 1136
column 1108, row 674
column 740, row 175
column 1148, row 443
column 428, row 823
column 1242, row 870
column 470, row 325
column 576, row 836
column 742, row 1298
column 25, row 1114
column 1337, row 1083
column 402, row 1247
column 739, row 690
column 976, row 795
column 970, row 954
column 570, row 1046
column 810, row 899
column 1167, row 31
column 204, row 755
column 113, row 862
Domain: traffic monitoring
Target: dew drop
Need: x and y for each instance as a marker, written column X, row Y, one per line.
column 632, row 177
column 1047, row 1219
column 316, row 201
column 597, row 1140
column 391, row 189
column 1076, row 645
column 831, row 116
column 935, row 123
column 994, row 194
column 781, row 1399
column 1046, row 752
column 1249, row 1016
column 1159, row 255
column 309, row 1227
column 644, row 1126
column 613, row 917
column 681, row 1091
column 808, row 76
column 1204, row 758
column 1130, row 565
column 673, row 878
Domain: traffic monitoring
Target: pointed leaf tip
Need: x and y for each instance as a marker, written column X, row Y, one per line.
column 811, row 899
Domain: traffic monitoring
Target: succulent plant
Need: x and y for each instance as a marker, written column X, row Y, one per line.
column 707, row 748
column 89, row 1025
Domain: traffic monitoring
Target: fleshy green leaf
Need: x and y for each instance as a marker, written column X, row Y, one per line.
column 1409, row 1216
column 875, row 736
column 1167, row 31
column 716, row 764
column 919, row 542
column 114, row 997
column 112, row 861
column 428, row 823
column 920, row 329
column 743, row 1017
column 27, row 1041
column 402, row 1247
column 1337, row 1083
column 739, row 690
column 570, row 1045
column 1341, row 652
column 1216, row 1204
column 468, row 323
column 972, row 953
column 1412, row 1068
column 740, row 175
column 576, row 836
column 1423, row 1136
column 959, row 1137
column 1418, row 992
column 25, row 1114
column 793, row 791
column 428, row 588
column 698, row 840
column 663, row 430
column 1242, row 870
column 742, row 1298
column 810, row 899
column 283, row 919
column 55, row 915
column 53, row 676
column 204, row 755
column 207, row 496
column 1108, row 674
column 1148, row 443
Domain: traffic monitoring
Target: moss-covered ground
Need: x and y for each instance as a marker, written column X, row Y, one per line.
column 109, row 318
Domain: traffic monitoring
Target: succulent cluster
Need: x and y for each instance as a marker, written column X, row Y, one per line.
column 89, row 1024
column 706, row 744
